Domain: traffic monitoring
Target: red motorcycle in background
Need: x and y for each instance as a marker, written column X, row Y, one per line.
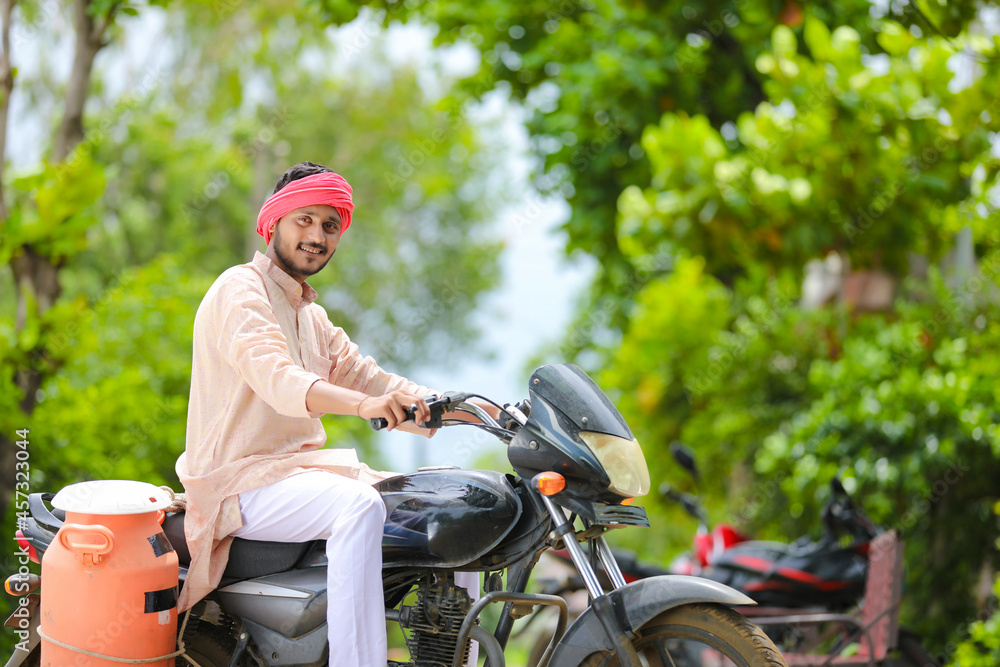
column 834, row 601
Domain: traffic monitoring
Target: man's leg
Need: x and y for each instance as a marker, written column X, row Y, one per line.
column 349, row 515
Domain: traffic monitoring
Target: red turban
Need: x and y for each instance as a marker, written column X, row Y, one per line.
column 326, row 188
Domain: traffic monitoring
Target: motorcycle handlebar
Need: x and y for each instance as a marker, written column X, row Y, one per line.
column 686, row 500
column 438, row 406
column 840, row 514
column 379, row 423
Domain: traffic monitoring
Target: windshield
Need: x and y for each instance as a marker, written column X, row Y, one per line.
column 569, row 390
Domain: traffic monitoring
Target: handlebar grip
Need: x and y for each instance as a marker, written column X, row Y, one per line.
column 379, row 423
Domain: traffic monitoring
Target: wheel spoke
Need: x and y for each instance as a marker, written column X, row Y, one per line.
column 662, row 650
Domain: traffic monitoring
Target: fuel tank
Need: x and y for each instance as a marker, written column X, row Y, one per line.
column 445, row 518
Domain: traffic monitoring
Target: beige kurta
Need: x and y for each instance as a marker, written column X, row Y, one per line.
column 259, row 344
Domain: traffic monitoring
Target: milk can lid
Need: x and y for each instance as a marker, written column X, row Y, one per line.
column 112, row 496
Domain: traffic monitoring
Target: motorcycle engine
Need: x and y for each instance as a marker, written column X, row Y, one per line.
column 434, row 621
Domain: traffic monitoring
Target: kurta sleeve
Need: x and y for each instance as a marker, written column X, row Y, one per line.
column 354, row 370
column 251, row 341
column 359, row 372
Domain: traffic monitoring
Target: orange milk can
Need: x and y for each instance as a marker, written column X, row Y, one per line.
column 109, row 579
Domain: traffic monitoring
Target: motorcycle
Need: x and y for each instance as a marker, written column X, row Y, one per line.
column 577, row 468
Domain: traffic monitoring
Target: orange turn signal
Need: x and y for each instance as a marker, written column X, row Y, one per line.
column 628, row 501
column 550, row 483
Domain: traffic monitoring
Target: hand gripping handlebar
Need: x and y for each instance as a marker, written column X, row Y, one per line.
column 438, row 406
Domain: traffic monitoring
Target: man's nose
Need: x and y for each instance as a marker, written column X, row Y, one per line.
column 315, row 234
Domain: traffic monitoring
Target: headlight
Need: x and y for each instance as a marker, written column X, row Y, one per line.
column 623, row 461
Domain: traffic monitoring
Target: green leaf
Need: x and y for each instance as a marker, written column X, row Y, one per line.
column 817, row 38
column 845, row 40
column 895, row 39
column 783, row 42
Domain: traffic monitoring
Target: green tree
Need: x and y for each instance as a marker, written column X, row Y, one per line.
column 840, row 159
column 37, row 237
column 596, row 73
column 876, row 168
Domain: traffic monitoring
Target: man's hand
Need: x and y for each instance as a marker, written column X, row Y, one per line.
column 325, row 398
column 392, row 406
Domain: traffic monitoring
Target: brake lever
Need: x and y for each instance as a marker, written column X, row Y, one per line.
column 450, row 399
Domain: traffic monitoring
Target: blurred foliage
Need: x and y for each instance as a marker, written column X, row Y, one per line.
column 907, row 414
column 982, row 647
column 52, row 210
column 775, row 401
column 117, row 408
column 596, row 73
column 838, row 159
column 879, row 166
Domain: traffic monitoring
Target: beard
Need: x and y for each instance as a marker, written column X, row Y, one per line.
column 298, row 269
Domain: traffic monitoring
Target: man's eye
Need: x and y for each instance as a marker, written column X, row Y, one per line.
column 303, row 218
column 332, row 227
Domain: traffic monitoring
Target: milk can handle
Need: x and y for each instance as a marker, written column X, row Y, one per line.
column 104, row 542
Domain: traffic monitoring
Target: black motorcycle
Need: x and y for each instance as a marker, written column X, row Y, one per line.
column 577, row 468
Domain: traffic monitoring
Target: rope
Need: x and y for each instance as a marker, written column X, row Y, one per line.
column 178, row 501
column 132, row 661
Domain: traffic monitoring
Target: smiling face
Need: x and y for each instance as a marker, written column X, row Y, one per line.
column 305, row 240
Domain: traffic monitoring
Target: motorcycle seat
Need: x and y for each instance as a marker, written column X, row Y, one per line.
column 247, row 558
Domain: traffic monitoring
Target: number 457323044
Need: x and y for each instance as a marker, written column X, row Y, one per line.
column 21, row 477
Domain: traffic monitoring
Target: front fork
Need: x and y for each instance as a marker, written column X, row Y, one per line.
column 611, row 617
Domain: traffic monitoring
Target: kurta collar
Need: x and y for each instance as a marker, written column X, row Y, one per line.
column 298, row 295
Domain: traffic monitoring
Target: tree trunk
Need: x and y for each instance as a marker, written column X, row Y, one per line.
column 6, row 87
column 89, row 40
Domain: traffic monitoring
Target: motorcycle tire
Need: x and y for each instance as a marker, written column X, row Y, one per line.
column 698, row 635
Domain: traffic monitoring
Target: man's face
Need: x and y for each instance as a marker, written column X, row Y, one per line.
column 305, row 240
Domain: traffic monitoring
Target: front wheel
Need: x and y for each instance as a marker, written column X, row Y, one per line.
column 698, row 635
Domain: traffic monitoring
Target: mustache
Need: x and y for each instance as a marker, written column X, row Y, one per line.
column 317, row 246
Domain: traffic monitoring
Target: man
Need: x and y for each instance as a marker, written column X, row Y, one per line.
column 267, row 364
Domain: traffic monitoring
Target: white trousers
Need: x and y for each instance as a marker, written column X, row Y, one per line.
column 349, row 515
